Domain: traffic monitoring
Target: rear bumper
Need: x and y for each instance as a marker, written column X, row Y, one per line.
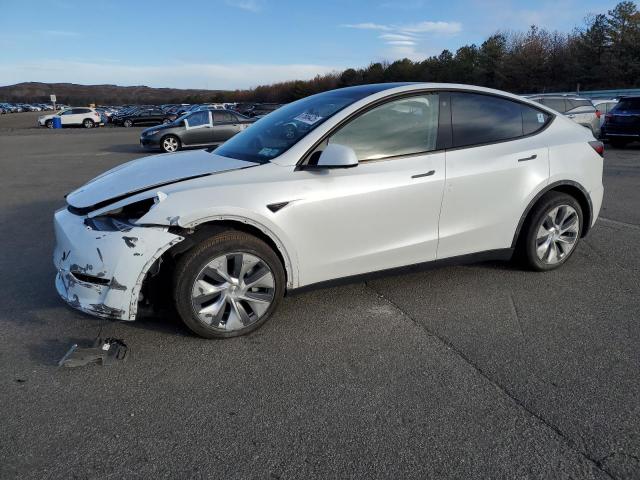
column 101, row 273
column 596, row 203
column 609, row 130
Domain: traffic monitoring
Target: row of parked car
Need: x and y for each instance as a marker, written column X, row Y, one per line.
column 24, row 107
column 173, row 127
column 614, row 120
column 177, row 126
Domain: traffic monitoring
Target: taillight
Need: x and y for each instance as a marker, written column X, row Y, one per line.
column 598, row 113
column 598, row 147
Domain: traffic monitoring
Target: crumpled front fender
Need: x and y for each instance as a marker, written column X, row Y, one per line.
column 101, row 273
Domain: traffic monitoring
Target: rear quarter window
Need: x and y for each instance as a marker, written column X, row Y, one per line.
column 480, row 119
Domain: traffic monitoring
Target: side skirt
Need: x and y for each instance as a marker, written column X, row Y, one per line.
column 503, row 254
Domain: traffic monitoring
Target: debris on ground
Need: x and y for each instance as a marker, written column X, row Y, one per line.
column 103, row 352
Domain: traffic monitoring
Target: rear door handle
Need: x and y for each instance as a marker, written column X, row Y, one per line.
column 526, row 159
column 427, row 174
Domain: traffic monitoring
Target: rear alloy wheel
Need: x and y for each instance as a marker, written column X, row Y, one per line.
column 88, row 123
column 128, row 123
column 553, row 231
column 170, row 144
column 228, row 286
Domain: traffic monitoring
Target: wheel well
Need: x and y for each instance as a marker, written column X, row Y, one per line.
column 157, row 283
column 171, row 135
column 582, row 199
column 209, row 228
column 572, row 189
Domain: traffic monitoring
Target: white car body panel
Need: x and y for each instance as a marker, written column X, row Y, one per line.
column 151, row 171
column 336, row 222
column 487, row 188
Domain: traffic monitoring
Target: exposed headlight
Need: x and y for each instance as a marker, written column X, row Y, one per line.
column 152, row 132
column 121, row 219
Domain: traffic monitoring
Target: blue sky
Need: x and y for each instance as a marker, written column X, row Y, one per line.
column 244, row 43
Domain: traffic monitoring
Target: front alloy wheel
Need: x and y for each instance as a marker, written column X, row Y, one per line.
column 170, row 144
column 233, row 291
column 228, row 285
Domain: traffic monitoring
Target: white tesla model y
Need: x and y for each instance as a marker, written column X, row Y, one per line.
column 339, row 184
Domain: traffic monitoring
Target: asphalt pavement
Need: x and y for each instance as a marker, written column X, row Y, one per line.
column 479, row 371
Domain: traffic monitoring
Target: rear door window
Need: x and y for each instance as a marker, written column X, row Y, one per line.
column 478, row 119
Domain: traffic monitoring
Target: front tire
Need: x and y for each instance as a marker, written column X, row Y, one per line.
column 170, row 144
column 48, row 124
column 88, row 123
column 128, row 123
column 552, row 231
column 228, row 286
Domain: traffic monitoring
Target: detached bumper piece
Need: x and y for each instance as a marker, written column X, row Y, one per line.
column 103, row 352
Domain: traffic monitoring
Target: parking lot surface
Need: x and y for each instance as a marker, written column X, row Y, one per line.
column 478, row 371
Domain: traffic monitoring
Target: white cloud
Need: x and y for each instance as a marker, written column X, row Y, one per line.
column 249, row 5
column 402, row 40
column 447, row 28
column 395, row 36
column 192, row 75
column 367, row 26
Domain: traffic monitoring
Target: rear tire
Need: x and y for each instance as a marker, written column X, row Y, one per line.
column 229, row 285
column 128, row 123
column 552, row 232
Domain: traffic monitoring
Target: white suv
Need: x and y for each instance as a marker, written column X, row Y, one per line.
column 74, row 116
column 339, row 184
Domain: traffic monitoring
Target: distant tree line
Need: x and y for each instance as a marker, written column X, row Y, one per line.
column 604, row 53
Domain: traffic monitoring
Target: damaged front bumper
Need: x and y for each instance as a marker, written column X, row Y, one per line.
column 101, row 272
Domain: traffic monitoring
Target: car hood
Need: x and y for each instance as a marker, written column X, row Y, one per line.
column 148, row 173
column 158, row 128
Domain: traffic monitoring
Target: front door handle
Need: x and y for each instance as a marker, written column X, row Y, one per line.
column 427, row 174
column 526, row 159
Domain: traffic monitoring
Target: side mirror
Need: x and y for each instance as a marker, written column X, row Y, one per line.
column 336, row 156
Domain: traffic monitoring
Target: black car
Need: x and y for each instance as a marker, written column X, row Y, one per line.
column 195, row 129
column 144, row 116
column 622, row 123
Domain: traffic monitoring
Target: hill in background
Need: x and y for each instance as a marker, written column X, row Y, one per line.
column 74, row 94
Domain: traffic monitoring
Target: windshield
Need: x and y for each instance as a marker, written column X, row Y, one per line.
column 277, row 132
